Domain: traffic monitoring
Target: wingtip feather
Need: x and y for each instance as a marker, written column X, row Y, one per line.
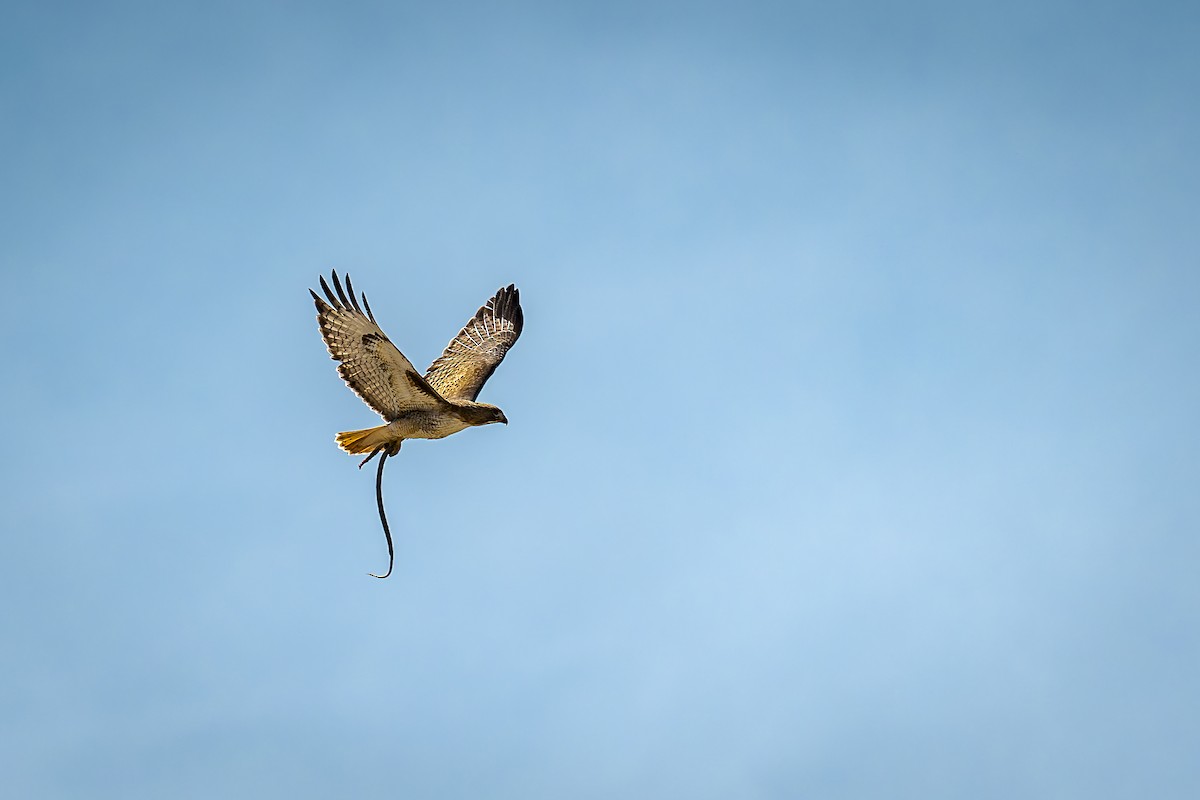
column 333, row 301
column 350, row 291
column 337, row 284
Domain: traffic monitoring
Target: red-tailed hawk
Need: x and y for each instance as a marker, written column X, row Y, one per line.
column 414, row 407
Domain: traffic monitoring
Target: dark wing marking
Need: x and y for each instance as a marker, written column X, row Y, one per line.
column 473, row 355
column 371, row 365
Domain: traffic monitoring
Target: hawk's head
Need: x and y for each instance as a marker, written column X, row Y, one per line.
column 486, row 414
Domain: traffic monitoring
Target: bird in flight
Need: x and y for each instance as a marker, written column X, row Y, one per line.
column 413, row 407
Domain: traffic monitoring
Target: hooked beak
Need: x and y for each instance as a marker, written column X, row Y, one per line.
column 503, row 418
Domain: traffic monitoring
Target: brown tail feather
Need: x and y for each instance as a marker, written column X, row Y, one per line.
column 364, row 441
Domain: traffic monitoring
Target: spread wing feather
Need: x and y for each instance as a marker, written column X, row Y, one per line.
column 473, row 355
column 371, row 365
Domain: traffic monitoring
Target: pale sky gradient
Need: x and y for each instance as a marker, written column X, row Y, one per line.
column 854, row 443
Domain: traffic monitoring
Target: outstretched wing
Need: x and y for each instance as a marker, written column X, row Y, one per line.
column 371, row 364
column 473, row 355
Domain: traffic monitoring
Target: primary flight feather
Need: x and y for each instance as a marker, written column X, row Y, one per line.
column 413, row 406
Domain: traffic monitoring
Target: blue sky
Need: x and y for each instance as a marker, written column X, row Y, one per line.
column 853, row 442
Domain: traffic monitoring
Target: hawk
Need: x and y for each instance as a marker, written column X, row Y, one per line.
column 413, row 407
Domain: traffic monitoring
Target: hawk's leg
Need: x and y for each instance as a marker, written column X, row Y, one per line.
column 391, row 448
